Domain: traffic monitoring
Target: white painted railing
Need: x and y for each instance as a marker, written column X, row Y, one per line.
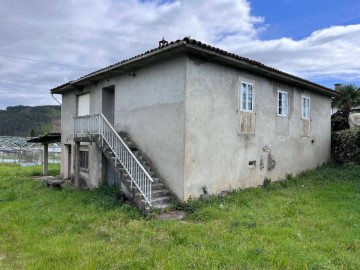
column 98, row 125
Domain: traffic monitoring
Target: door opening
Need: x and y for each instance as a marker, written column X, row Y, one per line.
column 108, row 103
column 67, row 161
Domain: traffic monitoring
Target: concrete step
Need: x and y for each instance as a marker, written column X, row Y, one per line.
column 125, row 138
column 156, row 193
column 140, row 158
column 162, row 206
column 158, row 207
column 160, row 192
column 123, row 134
column 158, row 200
column 156, row 186
column 143, row 162
column 156, row 179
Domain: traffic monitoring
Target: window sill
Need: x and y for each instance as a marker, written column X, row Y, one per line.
column 246, row 111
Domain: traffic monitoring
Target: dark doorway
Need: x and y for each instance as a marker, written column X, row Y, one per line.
column 108, row 103
column 67, row 161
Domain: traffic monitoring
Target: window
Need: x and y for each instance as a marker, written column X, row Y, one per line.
column 305, row 107
column 83, row 105
column 246, row 97
column 84, row 160
column 283, row 106
column 252, row 164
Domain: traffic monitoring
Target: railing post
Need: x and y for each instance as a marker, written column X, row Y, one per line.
column 99, row 126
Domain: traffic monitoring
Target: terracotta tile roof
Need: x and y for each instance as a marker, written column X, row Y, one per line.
column 186, row 42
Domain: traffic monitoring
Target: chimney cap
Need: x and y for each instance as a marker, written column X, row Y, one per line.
column 163, row 43
column 337, row 85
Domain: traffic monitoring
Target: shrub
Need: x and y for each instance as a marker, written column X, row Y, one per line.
column 267, row 182
column 346, row 146
column 339, row 121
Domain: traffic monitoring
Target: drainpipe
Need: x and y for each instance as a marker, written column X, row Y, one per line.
column 52, row 95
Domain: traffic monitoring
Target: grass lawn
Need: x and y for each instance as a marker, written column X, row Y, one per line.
column 311, row 221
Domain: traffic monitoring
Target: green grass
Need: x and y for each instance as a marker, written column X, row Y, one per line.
column 311, row 221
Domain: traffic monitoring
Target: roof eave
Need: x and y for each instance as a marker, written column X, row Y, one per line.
column 211, row 53
column 62, row 88
column 255, row 68
column 97, row 75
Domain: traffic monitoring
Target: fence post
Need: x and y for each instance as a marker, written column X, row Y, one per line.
column 46, row 158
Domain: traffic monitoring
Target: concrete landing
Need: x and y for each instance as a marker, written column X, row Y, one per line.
column 51, row 181
column 172, row 215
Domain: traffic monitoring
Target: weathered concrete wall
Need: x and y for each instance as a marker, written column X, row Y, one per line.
column 150, row 108
column 68, row 111
column 185, row 117
column 220, row 140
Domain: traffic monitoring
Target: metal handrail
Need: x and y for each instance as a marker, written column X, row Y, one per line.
column 97, row 124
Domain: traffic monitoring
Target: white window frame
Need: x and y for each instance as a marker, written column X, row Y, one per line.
column 305, row 114
column 246, row 109
column 284, row 113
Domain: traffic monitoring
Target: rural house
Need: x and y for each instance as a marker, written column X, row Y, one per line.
column 187, row 118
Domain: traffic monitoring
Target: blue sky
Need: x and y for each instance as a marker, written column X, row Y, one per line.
column 47, row 43
column 299, row 18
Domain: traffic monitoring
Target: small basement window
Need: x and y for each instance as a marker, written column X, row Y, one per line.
column 84, row 160
column 252, row 164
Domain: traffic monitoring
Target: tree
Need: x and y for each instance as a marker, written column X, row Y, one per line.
column 349, row 98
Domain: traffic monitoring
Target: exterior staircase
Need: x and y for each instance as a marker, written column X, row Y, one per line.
column 138, row 176
column 160, row 194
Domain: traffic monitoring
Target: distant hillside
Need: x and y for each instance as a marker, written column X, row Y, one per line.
column 26, row 120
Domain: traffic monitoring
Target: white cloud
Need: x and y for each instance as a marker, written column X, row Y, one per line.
column 96, row 33
column 327, row 53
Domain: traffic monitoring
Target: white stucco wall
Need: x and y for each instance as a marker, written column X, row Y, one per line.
column 217, row 154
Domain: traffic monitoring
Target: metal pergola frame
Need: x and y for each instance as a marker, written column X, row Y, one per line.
column 11, row 144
